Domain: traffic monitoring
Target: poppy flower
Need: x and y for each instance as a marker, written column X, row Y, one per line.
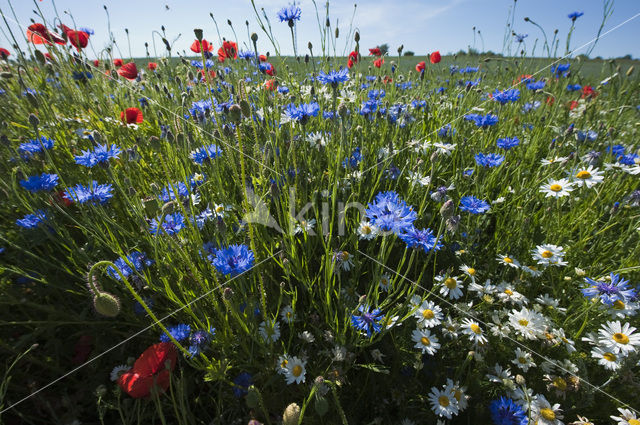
column 375, row 52
column 150, row 370
column 4, row 53
column 131, row 116
column 61, row 199
column 270, row 85
column 350, row 64
column 378, row 62
column 78, row 39
column 212, row 74
column 588, row 91
column 96, row 63
column 48, row 56
column 550, row 100
column 262, row 58
column 573, row 104
column 152, row 66
column 39, row 34
column 387, row 79
column 117, row 63
column 435, row 57
column 229, row 50
column 271, row 70
column 196, row 47
column 129, row 71
column 421, row 66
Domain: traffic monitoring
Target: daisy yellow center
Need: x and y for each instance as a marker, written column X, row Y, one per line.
column 428, row 314
column 297, row 370
column 634, row 422
column 471, row 271
column 284, row 363
column 507, row 260
column 620, row 338
column 547, row 254
column 443, row 400
column 508, row 291
column 610, row 357
column 555, row 187
column 425, row 341
column 289, row 315
column 457, row 394
column 344, row 255
column 560, row 383
column 523, row 322
column 475, row 328
column 522, row 360
column 450, row 283
column 366, row 230
column 547, row 414
column 618, row 305
column 584, row 174
column 219, row 208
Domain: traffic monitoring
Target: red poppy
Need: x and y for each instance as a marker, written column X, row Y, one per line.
column 262, row 58
column 150, row 370
column 588, row 91
column 550, row 100
column 96, row 63
column 131, row 116
column 129, row 71
column 39, row 34
column 4, row 53
column 271, row 71
column 212, row 73
column 573, row 104
column 82, row 349
column 117, row 63
column 229, row 50
column 270, row 85
column 375, row 52
column 350, row 64
column 48, row 56
column 78, row 39
column 378, row 62
column 421, row 66
column 61, row 199
column 152, row 66
column 354, row 56
column 435, row 57
column 197, row 47
column 387, row 79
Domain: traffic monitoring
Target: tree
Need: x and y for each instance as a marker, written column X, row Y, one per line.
column 384, row 48
column 409, row 53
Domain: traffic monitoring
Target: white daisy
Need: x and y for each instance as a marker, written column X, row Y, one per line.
column 416, row 178
column 619, row 338
column 554, row 160
column 270, row 331
column 385, row 283
column 507, row 293
column 587, row 177
column 425, row 341
column 473, row 330
column 627, row 417
column 469, row 271
column 451, row 287
column 295, row 370
column 283, row 361
column 527, row 323
column 499, row 375
column 549, row 255
column 367, row 231
column 508, row 261
column 429, row 314
column 443, row 402
column 307, row 336
column 305, row 226
column 556, row 188
column 117, row 371
column 287, row 315
column 450, row 328
column 622, row 310
column 543, row 413
column 458, row 394
column 606, row 358
column 523, row 360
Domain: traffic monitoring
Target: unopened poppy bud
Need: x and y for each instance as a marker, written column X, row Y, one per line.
column 306, row 58
column 32, row 100
column 246, row 108
column 337, row 32
column 254, row 37
column 235, row 113
column 452, row 223
column 101, row 390
column 310, row 46
column 447, row 209
column 526, row 19
column 34, row 120
column 106, row 304
column 327, row 22
column 356, row 37
column 400, row 49
column 291, row 415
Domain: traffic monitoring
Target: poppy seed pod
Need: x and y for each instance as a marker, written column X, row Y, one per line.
column 106, row 304
column 254, row 37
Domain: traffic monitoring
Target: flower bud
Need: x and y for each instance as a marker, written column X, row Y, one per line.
column 520, row 380
column 254, row 37
column 34, row 120
column 246, row 108
column 321, row 406
column 106, row 304
column 291, row 415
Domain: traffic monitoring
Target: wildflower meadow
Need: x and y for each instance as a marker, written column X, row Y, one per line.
column 219, row 233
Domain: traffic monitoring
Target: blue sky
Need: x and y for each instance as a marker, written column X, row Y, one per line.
column 421, row 25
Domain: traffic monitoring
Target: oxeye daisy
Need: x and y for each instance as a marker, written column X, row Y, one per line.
column 619, row 338
column 627, row 417
column 621, row 309
column 507, row 260
column 469, row 271
column 472, row 329
column 295, row 371
column 527, row 323
column 586, row 176
column 269, row 331
column 556, row 188
column 549, row 255
column 450, row 328
column 606, row 358
column 283, row 361
column 499, row 375
column 508, row 294
column 425, row 341
column 523, row 360
column 451, row 286
column 554, row 160
column 367, row 231
column 287, row 314
column 458, row 394
column 429, row 314
column 384, row 283
column 543, row 413
column 443, row 402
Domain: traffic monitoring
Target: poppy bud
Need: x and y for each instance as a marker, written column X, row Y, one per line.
column 32, row 100
column 34, row 120
column 327, row 22
column 291, row 415
column 526, row 19
column 254, row 37
column 337, row 32
column 356, row 37
column 310, row 46
column 400, row 49
column 306, row 58
column 229, row 22
column 198, row 33
column 235, row 113
column 106, row 304
column 246, row 108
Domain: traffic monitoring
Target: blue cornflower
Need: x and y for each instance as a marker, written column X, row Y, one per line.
column 102, row 153
column 334, row 77
column 520, row 37
column 42, row 182
column 531, row 106
column 137, row 307
column 507, row 143
column 367, row 321
column 169, row 192
column 505, row 411
column 376, row 94
column 510, row 95
column 469, row 70
column 536, row 85
column 87, row 30
column 198, row 341
column 370, row 106
column 616, row 289
column 233, row 260
column 178, row 332
column 302, row 113
column 198, row 64
column 421, row 238
column 489, row 160
column 560, row 68
column 246, row 54
column 353, row 160
column 283, row 89
column 590, row 135
column 473, row 205
column 205, row 154
column 290, row 14
column 93, row 192
column 138, row 259
column 171, row 225
column 446, row 131
column 574, row 87
column 242, row 383
column 31, row 221
column 575, row 15
column 483, row 121
column 390, row 213
column 35, row 146
column 628, row 159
